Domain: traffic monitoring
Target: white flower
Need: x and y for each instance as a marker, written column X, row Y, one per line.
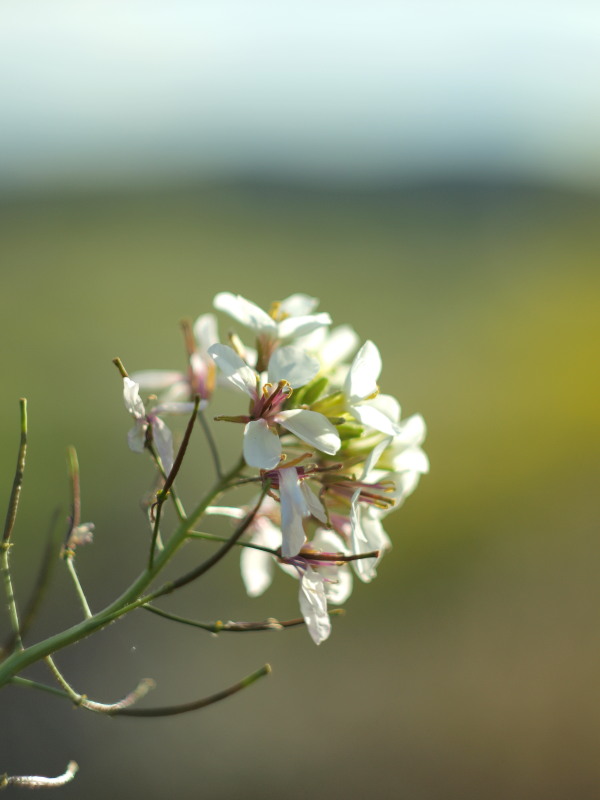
column 200, row 378
column 292, row 316
column 289, row 368
column 331, row 347
column 361, row 390
column 145, row 420
column 320, row 581
column 401, row 462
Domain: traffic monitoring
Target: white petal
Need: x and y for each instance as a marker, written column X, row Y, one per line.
column 338, row 346
column 312, row 428
column 329, row 541
column 257, row 570
column 136, row 437
column 373, row 418
column 293, row 511
column 300, row 326
column 313, row 605
column 377, row 538
column 156, row 378
column 205, row 332
column 173, row 408
column 388, row 405
column 339, row 588
column 355, row 522
column 361, row 381
column 297, row 305
column 262, row 447
column 374, row 538
column 131, row 396
column 245, row 312
column 313, row 503
column 256, row 565
column 176, row 392
column 225, row 511
column 405, row 483
column 412, row 431
column 237, row 371
column 374, row 457
column 413, row 459
column 163, row 440
column 292, row 365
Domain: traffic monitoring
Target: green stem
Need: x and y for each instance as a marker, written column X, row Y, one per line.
column 129, row 600
column 10, row 597
column 69, row 561
column 13, row 503
column 29, row 684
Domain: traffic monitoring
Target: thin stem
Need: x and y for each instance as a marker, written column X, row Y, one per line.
column 330, row 558
column 75, row 488
column 226, row 627
column 41, row 583
column 26, row 683
column 10, row 596
column 169, row 711
column 212, row 445
column 38, row 781
column 164, row 492
column 11, row 515
column 15, row 494
column 141, row 690
column 70, row 562
column 179, row 509
column 213, row 537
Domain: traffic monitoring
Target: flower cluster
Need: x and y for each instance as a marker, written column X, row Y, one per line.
column 332, row 450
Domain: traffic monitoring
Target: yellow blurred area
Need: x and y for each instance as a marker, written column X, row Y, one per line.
column 469, row 668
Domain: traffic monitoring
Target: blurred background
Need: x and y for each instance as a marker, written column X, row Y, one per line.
column 429, row 170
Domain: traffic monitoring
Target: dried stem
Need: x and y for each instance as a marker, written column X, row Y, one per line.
column 169, row 711
column 141, row 690
column 218, row 626
column 38, row 781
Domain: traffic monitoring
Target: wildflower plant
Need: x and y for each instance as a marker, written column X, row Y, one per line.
column 328, row 457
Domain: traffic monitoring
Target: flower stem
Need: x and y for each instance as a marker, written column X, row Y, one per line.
column 70, row 562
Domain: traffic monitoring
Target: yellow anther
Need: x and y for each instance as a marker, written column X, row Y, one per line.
column 276, row 313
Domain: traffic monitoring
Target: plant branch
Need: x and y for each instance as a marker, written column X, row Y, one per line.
column 69, row 560
column 169, row 711
column 226, row 627
column 130, row 599
column 15, row 494
column 38, row 781
column 141, row 690
column 212, row 445
column 164, row 492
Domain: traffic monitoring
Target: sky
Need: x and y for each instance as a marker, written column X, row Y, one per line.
column 319, row 90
